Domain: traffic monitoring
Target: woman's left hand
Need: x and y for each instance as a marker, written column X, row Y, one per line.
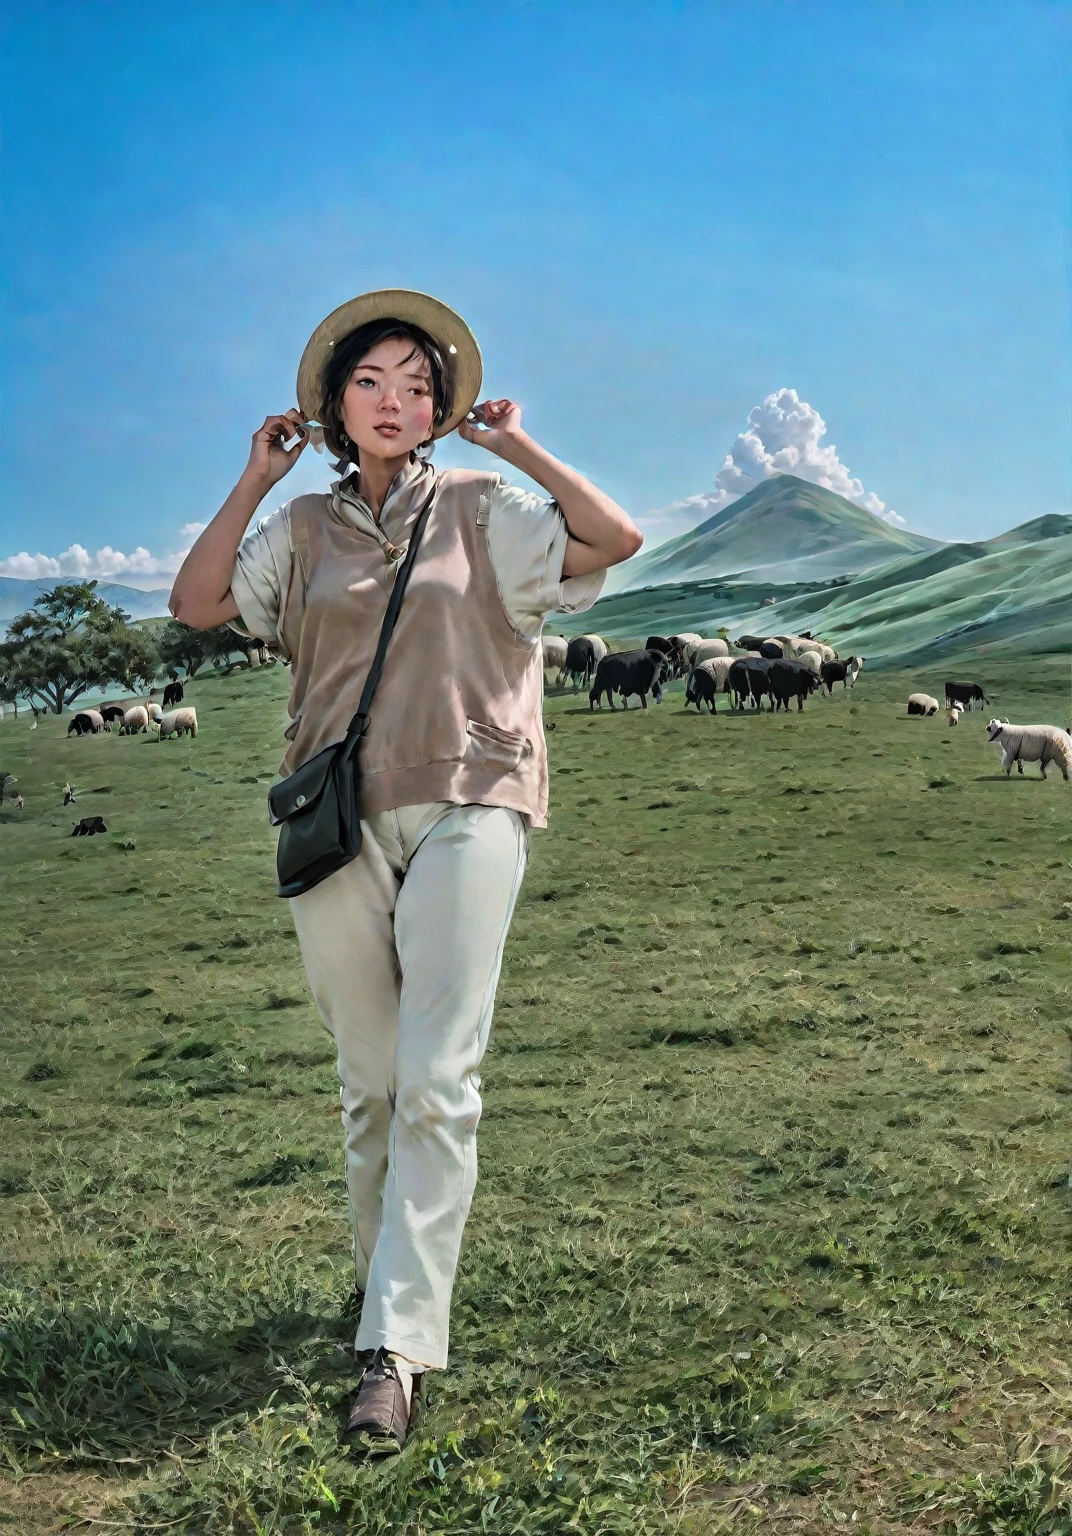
column 497, row 425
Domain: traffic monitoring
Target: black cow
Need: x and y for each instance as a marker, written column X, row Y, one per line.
column 173, row 694
column 965, row 695
column 89, row 826
column 112, row 712
column 628, row 672
column 791, row 680
column 700, row 689
column 580, row 662
column 749, row 678
column 83, row 725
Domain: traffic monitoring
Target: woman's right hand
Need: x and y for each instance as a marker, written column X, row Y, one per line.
column 269, row 461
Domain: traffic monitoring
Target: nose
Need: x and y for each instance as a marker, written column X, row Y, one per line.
column 389, row 400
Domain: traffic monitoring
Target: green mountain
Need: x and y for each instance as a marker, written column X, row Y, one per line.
column 784, row 530
column 1012, row 594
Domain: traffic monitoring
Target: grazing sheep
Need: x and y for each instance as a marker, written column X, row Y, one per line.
column 707, row 650
column 580, row 662
column 154, row 711
column 87, row 722
column 600, row 648
column 954, row 715
column 625, row 673
column 178, row 723
column 812, row 660
column 554, row 653
column 113, row 712
column 702, row 686
column 719, row 668
column 922, row 704
column 136, row 719
column 684, row 641
column 1040, row 744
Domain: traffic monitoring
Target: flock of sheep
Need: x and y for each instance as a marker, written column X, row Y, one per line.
column 778, row 669
column 134, row 719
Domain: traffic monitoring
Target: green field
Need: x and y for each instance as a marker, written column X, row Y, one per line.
column 773, row 1227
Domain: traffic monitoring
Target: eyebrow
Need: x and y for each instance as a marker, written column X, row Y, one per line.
column 375, row 368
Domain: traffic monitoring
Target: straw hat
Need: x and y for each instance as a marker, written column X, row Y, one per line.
column 456, row 341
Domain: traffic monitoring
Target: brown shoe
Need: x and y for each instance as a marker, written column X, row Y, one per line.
column 379, row 1421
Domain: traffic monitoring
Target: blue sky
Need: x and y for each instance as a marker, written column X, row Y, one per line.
column 653, row 215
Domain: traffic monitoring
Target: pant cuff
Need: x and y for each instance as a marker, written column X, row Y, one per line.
column 417, row 1350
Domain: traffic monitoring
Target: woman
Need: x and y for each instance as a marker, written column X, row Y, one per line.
column 403, row 946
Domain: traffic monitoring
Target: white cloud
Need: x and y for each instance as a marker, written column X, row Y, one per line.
column 783, row 436
column 138, row 569
column 191, row 530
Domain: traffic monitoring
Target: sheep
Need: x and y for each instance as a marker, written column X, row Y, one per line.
column 922, row 704
column 554, row 653
column 1040, row 744
column 599, row 647
column 707, row 650
column 812, row 660
column 136, row 719
column 178, row 722
column 686, row 640
column 87, row 722
column 707, row 679
column 153, row 710
column 954, row 715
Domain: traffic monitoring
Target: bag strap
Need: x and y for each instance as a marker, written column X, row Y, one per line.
column 359, row 724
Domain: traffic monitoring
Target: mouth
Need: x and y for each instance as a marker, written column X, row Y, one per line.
column 388, row 429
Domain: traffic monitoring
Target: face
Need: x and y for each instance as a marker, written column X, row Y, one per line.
column 387, row 407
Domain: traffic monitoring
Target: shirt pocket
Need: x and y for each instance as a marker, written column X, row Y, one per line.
column 497, row 748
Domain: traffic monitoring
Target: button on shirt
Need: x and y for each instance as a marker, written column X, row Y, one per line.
column 527, row 537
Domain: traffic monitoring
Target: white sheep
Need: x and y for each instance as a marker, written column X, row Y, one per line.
column 953, row 715
column 812, row 660
column 153, row 710
column 178, row 722
column 922, row 704
column 706, row 650
column 136, row 719
column 718, row 667
column 1040, row 744
column 554, row 652
column 687, row 641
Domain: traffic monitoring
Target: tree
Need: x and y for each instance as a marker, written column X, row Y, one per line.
column 192, row 649
column 69, row 641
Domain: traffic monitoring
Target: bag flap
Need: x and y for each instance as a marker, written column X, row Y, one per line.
column 302, row 789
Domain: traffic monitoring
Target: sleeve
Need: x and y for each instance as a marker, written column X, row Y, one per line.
column 261, row 576
column 527, row 537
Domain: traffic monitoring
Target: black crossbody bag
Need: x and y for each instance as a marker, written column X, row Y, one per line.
column 318, row 808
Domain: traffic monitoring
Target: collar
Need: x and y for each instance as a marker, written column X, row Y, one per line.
column 405, row 494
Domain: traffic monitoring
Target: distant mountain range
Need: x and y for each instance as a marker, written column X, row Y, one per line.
column 783, row 530
column 17, row 595
column 791, row 556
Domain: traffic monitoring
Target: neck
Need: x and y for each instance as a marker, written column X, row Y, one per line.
column 376, row 477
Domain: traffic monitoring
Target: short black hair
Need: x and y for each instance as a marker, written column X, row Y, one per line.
column 345, row 357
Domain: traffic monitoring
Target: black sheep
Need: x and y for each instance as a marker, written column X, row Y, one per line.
column 628, row 672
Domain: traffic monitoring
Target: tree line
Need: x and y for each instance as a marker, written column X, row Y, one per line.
column 70, row 640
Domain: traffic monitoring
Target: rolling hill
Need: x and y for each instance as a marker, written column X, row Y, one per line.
column 784, row 530
column 17, row 595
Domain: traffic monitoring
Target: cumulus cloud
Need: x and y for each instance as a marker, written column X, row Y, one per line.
column 137, row 569
column 191, row 530
column 783, row 436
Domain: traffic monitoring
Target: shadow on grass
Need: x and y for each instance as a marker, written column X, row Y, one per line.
column 90, row 1383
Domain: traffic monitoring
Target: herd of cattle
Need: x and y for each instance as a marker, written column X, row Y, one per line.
column 779, row 669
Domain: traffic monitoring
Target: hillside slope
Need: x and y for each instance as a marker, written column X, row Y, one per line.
column 785, row 530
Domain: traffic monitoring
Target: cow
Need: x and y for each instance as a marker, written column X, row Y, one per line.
column 89, row 826
column 965, row 694
column 628, row 672
column 749, row 679
column 173, row 694
column 790, row 680
column 580, row 662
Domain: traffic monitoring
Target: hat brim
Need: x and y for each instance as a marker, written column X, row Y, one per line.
column 456, row 340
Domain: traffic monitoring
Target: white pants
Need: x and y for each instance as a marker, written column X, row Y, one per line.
column 403, row 949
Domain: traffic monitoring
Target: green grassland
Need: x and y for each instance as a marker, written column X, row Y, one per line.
column 773, row 1227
